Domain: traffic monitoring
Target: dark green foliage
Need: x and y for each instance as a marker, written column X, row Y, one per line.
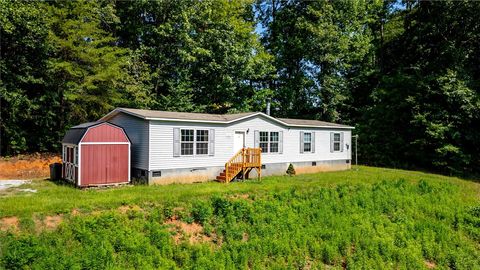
column 27, row 119
column 425, row 99
column 66, row 62
column 202, row 212
column 291, row 170
column 405, row 73
column 394, row 222
column 317, row 46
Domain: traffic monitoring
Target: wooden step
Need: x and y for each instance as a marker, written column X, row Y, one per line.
column 223, row 174
column 221, row 178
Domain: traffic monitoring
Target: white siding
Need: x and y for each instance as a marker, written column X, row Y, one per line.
column 161, row 141
column 161, row 150
column 137, row 131
column 291, row 141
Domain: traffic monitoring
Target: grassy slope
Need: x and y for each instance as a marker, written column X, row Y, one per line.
column 366, row 218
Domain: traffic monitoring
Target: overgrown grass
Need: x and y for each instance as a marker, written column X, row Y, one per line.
column 360, row 219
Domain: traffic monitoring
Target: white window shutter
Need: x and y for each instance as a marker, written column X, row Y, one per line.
column 176, row 142
column 341, row 141
column 211, row 140
column 331, row 142
column 301, row 142
column 313, row 142
column 280, row 142
column 256, row 138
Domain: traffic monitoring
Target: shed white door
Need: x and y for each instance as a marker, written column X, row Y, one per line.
column 238, row 141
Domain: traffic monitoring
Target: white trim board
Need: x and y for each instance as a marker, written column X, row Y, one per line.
column 104, row 143
column 103, row 123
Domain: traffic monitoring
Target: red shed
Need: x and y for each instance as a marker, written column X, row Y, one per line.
column 96, row 154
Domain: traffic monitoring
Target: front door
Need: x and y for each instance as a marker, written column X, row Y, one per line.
column 238, row 141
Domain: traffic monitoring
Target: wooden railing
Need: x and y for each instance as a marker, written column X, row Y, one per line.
column 245, row 158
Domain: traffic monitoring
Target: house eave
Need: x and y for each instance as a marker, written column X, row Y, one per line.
column 107, row 116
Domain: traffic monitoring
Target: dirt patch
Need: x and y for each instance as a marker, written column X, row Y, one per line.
column 183, row 179
column 27, row 166
column 430, row 264
column 245, row 237
column 308, row 264
column 49, row 223
column 193, row 233
column 52, row 222
column 321, row 168
column 190, row 229
column 9, row 224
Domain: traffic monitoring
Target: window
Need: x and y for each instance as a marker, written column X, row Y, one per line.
column 270, row 142
column 76, row 155
column 64, row 153
column 202, row 142
column 193, row 142
column 186, row 142
column 264, row 141
column 307, row 142
column 336, row 141
column 273, row 142
column 69, row 158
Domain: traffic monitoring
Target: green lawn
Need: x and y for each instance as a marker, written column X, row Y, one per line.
column 366, row 218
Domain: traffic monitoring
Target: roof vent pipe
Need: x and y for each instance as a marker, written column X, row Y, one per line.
column 268, row 107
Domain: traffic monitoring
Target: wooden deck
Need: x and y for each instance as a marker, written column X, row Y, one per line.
column 242, row 163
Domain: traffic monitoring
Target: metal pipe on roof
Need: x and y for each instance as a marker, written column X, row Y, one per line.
column 268, row 107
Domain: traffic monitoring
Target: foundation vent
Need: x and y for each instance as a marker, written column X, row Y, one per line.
column 314, row 163
column 156, row 173
column 263, row 166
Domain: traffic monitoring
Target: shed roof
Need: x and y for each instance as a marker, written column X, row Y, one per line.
column 88, row 124
column 218, row 118
column 75, row 133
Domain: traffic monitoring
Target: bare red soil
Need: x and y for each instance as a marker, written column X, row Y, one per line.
column 27, row 166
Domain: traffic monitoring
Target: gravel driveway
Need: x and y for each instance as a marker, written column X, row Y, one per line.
column 4, row 184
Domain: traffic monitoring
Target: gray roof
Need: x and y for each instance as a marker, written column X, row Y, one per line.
column 87, row 125
column 74, row 135
column 185, row 115
column 220, row 118
column 307, row 122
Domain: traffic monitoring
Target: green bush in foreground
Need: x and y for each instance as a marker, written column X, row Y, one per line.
column 395, row 224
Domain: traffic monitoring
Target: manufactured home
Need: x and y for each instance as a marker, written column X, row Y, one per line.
column 169, row 147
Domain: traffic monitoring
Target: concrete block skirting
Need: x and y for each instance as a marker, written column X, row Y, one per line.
column 195, row 175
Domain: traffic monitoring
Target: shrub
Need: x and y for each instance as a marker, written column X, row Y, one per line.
column 291, row 170
column 201, row 212
column 390, row 224
column 21, row 252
